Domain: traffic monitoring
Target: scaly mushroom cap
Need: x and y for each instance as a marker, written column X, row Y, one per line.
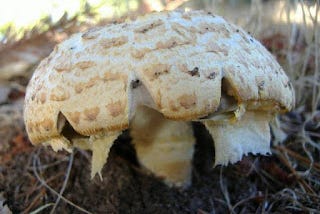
column 186, row 63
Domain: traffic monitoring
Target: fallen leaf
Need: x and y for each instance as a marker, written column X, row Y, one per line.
column 4, row 209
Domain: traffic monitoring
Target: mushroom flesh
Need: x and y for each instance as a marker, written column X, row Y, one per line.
column 154, row 76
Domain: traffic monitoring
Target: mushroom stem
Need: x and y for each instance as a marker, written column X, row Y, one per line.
column 100, row 145
column 163, row 146
column 232, row 140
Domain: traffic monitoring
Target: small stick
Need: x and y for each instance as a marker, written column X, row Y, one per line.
column 296, row 175
column 299, row 157
column 35, row 163
column 64, row 183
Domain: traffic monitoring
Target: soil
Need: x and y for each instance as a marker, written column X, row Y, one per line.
column 253, row 185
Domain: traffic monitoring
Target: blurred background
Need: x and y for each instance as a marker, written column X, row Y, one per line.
column 29, row 30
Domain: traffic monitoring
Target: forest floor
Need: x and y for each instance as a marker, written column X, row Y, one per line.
column 32, row 177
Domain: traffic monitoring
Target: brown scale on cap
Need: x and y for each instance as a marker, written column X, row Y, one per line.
column 171, row 43
column 190, row 65
column 113, row 42
column 217, row 48
column 184, row 32
column 43, row 97
column 85, row 64
column 116, row 108
column 149, row 26
column 59, row 94
column 63, row 62
column 187, row 100
column 91, row 114
column 154, row 71
column 92, row 33
column 85, row 85
column 74, row 116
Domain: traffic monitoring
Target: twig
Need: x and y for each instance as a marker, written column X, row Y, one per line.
column 299, row 157
column 317, row 54
column 225, row 192
column 301, row 181
column 245, row 200
column 64, row 182
column 41, row 208
column 34, row 201
column 45, row 166
column 35, row 164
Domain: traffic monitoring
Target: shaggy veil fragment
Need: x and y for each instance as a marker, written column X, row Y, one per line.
column 250, row 134
column 101, row 145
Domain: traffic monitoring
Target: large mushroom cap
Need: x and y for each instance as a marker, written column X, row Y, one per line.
column 182, row 64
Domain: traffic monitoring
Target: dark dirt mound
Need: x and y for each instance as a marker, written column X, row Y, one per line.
column 254, row 185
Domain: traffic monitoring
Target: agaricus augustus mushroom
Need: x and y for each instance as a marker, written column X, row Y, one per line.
column 154, row 76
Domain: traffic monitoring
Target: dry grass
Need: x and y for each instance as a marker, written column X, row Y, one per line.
column 299, row 153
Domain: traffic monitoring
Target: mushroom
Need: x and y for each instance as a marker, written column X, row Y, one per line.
column 154, row 76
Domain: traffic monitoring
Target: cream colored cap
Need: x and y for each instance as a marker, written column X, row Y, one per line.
column 179, row 57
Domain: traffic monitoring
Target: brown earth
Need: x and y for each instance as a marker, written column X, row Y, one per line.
column 254, row 185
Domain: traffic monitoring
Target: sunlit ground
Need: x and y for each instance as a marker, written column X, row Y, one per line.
column 27, row 13
column 21, row 15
